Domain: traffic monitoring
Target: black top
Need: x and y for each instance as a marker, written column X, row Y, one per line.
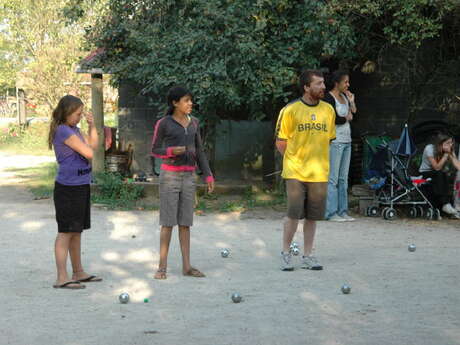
column 339, row 120
column 169, row 133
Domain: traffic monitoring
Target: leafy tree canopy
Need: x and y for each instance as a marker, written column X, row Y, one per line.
column 243, row 56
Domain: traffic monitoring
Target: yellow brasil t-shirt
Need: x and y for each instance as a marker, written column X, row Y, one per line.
column 308, row 131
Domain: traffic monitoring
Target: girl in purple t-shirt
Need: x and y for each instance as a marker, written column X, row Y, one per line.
column 71, row 190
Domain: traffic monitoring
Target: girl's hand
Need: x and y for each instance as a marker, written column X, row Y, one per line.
column 349, row 117
column 210, row 187
column 89, row 118
column 178, row 150
column 350, row 96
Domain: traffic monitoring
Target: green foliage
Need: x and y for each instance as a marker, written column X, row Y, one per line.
column 115, row 192
column 395, row 22
column 40, row 47
column 236, row 56
column 241, row 58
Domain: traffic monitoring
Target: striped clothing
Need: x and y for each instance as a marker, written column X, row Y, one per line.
column 168, row 134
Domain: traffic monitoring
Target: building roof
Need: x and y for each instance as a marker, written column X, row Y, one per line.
column 93, row 63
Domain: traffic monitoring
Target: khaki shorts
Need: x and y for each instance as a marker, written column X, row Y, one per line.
column 306, row 199
column 177, row 197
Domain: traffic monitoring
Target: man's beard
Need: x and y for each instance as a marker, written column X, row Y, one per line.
column 318, row 95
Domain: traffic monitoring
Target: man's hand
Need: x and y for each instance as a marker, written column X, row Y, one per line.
column 178, row 150
column 281, row 146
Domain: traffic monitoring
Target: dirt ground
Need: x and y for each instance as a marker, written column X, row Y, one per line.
column 397, row 297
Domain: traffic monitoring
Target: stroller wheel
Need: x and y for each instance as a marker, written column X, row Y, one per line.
column 430, row 214
column 420, row 212
column 389, row 213
column 384, row 210
column 372, row 211
column 437, row 214
column 413, row 213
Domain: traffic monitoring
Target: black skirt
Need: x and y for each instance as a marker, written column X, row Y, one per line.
column 73, row 208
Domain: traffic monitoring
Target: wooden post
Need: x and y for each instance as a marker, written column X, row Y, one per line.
column 21, row 104
column 97, row 105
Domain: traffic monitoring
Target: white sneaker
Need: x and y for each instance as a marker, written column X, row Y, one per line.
column 449, row 209
column 286, row 262
column 347, row 217
column 311, row 263
column 336, row 218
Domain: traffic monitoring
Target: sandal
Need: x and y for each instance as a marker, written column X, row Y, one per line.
column 161, row 273
column 193, row 272
column 89, row 279
column 71, row 285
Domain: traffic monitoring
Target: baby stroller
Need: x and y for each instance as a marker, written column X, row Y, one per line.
column 388, row 175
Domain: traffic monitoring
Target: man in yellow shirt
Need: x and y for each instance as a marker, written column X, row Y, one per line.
column 304, row 130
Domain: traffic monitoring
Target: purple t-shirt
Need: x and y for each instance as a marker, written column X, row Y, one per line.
column 74, row 169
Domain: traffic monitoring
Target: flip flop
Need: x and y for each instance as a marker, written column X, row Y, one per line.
column 161, row 274
column 193, row 272
column 90, row 279
column 66, row 285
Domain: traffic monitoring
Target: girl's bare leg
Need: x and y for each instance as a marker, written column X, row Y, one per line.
column 184, row 240
column 165, row 239
column 75, row 257
column 61, row 250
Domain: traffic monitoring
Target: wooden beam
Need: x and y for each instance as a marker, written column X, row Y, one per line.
column 97, row 106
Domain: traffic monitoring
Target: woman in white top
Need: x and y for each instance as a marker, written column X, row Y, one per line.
column 435, row 160
column 457, row 187
column 343, row 102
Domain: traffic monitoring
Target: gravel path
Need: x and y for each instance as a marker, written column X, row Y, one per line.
column 397, row 297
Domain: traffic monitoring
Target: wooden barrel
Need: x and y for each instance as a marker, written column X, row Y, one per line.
column 117, row 163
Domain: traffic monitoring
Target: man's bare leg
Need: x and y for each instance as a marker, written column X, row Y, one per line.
column 309, row 230
column 290, row 227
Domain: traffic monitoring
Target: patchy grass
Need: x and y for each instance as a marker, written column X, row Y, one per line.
column 31, row 140
column 241, row 203
column 39, row 179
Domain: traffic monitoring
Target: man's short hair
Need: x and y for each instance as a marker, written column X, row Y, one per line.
column 306, row 77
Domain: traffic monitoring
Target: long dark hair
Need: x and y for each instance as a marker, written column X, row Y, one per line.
column 66, row 106
column 335, row 78
column 438, row 141
column 175, row 94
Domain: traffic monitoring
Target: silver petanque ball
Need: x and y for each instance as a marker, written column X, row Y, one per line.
column 236, row 297
column 225, row 253
column 294, row 245
column 123, row 298
column 411, row 247
column 295, row 251
column 346, row 289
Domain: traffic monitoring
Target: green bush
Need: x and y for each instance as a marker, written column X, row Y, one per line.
column 115, row 192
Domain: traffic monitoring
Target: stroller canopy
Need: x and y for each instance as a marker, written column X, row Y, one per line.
column 405, row 145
